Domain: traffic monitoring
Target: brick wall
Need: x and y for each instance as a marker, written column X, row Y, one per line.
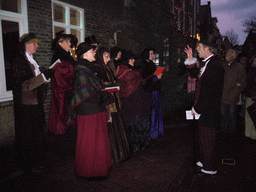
column 40, row 23
column 6, row 123
column 102, row 19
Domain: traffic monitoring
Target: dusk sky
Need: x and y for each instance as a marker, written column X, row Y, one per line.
column 231, row 14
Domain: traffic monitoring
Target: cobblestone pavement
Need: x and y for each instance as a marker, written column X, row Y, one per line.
column 166, row 166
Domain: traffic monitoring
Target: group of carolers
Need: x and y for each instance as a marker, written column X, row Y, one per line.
column 110, row 126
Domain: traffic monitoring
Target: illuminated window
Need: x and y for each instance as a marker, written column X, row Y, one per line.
column 68, row 18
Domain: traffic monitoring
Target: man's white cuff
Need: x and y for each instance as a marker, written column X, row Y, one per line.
column 187, row 62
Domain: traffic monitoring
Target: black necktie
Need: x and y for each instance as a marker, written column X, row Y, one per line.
column 204, row 62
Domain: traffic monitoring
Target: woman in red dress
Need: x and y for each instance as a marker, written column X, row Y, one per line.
column 88, row 109
column 61, row 93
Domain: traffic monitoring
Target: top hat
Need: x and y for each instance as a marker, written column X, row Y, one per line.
column 208, row 40
column 145, row 53
column 83, row 48
column 60, row 36
column 91, row 39
column 29, row 38
column 127, row 54
column 114, row 51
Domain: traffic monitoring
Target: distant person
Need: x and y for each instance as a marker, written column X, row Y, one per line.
column 29, row 93
column 243, row 59
column 234, row 84
column 250, row 93
column 88, row 114
column 193, row 69
column 207, row 102
column 115, row 57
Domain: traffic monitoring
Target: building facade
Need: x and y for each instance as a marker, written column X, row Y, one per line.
column 110, row 21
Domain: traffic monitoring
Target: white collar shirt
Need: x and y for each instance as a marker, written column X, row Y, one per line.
column 36, row 66
column 34, row 63
column 206, row 63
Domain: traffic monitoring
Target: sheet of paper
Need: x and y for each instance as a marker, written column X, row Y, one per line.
column 112, row 89
column 189, row 115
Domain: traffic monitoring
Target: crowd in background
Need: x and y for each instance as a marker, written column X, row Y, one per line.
column 238, row 91
column 224, row 99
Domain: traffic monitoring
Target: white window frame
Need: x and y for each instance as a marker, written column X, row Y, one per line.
column 67, row 24
column 22, row 19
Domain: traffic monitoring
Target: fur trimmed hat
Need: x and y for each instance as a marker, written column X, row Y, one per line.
column 83, row 48
column 29, row 38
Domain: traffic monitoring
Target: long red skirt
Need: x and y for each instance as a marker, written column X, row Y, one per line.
column 93, row 156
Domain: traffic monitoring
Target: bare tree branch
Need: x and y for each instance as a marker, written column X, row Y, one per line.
column 232, row 37
column 250, row 24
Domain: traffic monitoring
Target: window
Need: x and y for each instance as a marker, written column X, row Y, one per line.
column 68, row 18
column 156, row 59
column 166, row 52
column 11, row 5
column 13, row 23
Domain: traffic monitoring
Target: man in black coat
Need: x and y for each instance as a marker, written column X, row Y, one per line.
column 29, row 93
column 207, row 102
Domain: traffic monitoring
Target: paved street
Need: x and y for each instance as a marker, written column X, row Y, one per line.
column 166, row 166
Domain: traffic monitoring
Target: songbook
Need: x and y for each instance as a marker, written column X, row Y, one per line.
column 111, row 89
column 124, row 74
column 189, row 115
column 55, row 64
column 160, row 70
column 117, row 70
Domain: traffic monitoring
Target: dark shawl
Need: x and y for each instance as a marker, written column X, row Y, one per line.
column 86, row 85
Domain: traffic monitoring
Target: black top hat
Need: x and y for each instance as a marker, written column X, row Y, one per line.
column 145, row 53
column 83, row 48
column 59, row 37
column 114, row 51
column 127, row 54
column 91, row 39
column 208, row 40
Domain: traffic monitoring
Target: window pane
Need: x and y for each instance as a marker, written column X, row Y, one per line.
column 58, row 29
column 74, row 17
column 10, row 5
column 78, row 35
column 10, row 35
column 58, row 13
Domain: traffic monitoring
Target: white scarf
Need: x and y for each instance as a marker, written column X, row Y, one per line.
column 34, row 63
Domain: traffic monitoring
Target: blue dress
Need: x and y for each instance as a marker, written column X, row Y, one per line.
column 156, row 127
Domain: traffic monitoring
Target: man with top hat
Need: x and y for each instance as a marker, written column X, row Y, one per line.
column 29, row 93
column 207, row 102
column 92, row 40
